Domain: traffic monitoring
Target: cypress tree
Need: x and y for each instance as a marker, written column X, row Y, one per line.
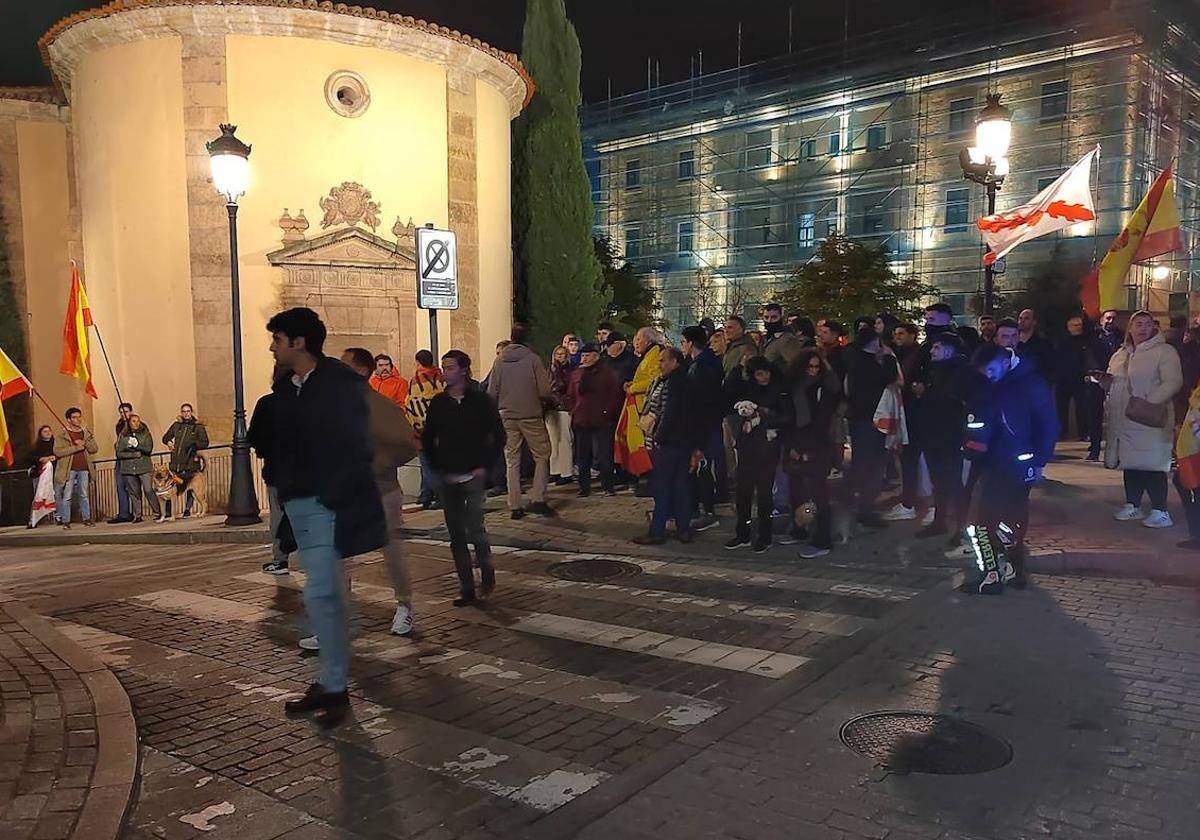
column 17, row 411
column 558, row 282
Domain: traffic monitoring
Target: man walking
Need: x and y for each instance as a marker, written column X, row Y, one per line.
column 74, row 447
column 386, row 380
column 392, row 446
column 133, row 460
column 321, row 461
column 186, row 437
column 595, row 398
column 463, row 436
column 520, row 385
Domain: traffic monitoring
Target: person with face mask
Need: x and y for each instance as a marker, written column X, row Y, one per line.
column 1012, row 428
column 781, row 347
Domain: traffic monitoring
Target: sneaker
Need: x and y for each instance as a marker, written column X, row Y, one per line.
column 1092, row 456
column 402, row 623
column 160, row 518
column 810, row 552
column 927, row 519
column 466, row 600
column 610, row 492
column 87, row 523
column 1009, row 572
column 791, row 538
column 487, row 576
column 900, row 513
column 650, row 539
column 66, row 526
column 835, row 473
column 1127, row 512
column 737, row 542
column 761, row 545
column 542, row 509
column 137, row 520
column 1158, row 519
column 583, row 494
column 705, row 522
column 310, row 643
column 118, row 520
column 276, row 567
column 518, row 513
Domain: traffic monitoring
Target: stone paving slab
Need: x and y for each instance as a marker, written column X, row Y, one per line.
column 68, row 747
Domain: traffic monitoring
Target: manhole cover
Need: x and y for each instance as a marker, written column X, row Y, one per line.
column 915, row 742
column 595, row 570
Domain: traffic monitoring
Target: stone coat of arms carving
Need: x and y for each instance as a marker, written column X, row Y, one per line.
column 350, row 204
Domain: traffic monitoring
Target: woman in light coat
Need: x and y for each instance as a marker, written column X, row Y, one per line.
column 1146, row 367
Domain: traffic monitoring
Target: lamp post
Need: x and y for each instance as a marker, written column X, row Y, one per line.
column 229, row 157
column 986, row 163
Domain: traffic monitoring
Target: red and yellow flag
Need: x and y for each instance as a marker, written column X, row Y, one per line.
column 76, row 360
column 12, row 382
column 1152, row 230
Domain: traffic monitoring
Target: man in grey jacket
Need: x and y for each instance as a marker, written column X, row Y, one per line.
column 520, row 386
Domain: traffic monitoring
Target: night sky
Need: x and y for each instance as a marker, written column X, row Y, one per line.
column 617, row 35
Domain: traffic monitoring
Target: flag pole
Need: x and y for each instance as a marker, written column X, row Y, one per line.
column 33, row 390
column 104, row 352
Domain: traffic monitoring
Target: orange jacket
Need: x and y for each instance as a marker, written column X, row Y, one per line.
column 393, row 386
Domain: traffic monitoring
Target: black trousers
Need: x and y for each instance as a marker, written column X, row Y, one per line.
column 1094, row 398
column 945, row 470
column 462, row 507
column 1153, row 484
column 868, row 451
column 910, row 474
column 1191, row 508
column 808, row 481
column 757, row 462
column 594, row 446
column 1003, row 521
column 1066, row 393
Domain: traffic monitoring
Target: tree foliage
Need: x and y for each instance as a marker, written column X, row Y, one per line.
column 631, row 304
column 17, row 412
column 1052, row 291
column 558, row 282
column 847, row 279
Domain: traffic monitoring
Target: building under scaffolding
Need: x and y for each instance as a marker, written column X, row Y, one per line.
column 718, row 188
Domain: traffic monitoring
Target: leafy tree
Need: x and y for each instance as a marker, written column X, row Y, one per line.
column 1052, row 291
column 847, row 279
column 558, row 281
column 631, row 304
column 17, row 412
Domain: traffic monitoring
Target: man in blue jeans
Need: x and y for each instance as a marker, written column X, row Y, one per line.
column 74, row 447
column 122, row 430
column 321, row 465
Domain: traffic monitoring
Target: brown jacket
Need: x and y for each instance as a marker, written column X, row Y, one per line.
column 65, row 449
column 393, row 442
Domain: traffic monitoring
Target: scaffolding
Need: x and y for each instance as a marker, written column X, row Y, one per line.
column 719, row 188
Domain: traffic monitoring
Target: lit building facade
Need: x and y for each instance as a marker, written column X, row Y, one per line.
column 718, row 188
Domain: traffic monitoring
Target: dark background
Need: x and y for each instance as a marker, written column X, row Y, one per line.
column 618, row 36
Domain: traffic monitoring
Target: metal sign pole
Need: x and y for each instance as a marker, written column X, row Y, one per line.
column 433, row 337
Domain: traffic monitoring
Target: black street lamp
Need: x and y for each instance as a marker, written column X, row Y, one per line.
column 229, row 157
column 987, row 163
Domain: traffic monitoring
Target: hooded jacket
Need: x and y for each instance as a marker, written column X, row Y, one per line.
column 737, row 352
column 775, row 408
column 393, row 386
column 1150, row 371
column 188, row 437
column 519, row 383
column 1016, row 421
column 708, row 377
column 134, row 458
column 866, row 377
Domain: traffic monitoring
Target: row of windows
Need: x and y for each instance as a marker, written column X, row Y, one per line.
column 759, row 143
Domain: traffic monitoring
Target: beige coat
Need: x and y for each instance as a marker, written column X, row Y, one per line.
column 65, row 450
column 1152, row 372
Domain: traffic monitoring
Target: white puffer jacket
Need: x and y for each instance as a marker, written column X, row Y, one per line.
column 1150, row 371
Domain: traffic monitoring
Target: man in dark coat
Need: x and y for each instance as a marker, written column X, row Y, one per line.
column 1077, row 353
column 321, row 465
column 708, row 379
column 595, row 398
column 870, row 367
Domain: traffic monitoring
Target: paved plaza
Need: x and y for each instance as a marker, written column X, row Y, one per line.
column 698, row 693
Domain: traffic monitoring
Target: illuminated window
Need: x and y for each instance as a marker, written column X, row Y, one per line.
column 957, row 210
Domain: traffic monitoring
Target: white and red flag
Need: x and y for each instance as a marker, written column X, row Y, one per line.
column 1066, row 202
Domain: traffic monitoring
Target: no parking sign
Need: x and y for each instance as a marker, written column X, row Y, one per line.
column 437, row 269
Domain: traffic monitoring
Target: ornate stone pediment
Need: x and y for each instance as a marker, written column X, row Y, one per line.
column 346, row 248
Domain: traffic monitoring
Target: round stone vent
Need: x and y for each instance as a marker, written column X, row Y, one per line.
column 594, row 570
column 347, row 93
column 915, row 742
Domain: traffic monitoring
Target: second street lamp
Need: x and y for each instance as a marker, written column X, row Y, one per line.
column 230, row 162
column 986, row 163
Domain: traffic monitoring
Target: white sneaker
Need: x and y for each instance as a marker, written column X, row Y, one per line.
column 1127, row 512
column 900, row 512
column 1009, row 572
column 310, row 643
column 927, row 519
column 1158, row 519
column 809, row 552
column 402, row 624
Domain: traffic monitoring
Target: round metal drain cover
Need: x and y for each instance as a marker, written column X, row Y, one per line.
column 915, row 742
column 594, row 570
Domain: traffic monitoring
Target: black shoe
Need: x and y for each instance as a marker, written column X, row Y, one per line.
column 542, row 509
column 1092, row 456
column 467, row 599
column 487, row 575
column 334, row 711
column 119, row 520
column 643, row 492
column 426, row 505
column 316, row 698
column 650, row 539
column 562, row 480
column 737, row 542
column 136, row 520
column 934, row 530
column 583, row 494
column 518, row 513
column 275, row 567
column 1017, row 582
column 684, row 537
column 761, row 545
column 610, row 492
column 497, row 491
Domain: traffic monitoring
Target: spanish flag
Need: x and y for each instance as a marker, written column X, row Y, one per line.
column 76, row 360
column 12, row 382
column 1152, row 230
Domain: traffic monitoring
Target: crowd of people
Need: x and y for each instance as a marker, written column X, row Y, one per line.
column 800, row 426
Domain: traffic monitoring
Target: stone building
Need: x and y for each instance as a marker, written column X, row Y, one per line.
column 719, row 187
column 363, row 124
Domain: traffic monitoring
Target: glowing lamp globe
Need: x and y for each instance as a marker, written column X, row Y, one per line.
column 993, row 130
column 229, row 158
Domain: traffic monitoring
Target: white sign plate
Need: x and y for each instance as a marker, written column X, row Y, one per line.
column 437, row 269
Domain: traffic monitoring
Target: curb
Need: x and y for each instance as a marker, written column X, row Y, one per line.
column 110, row 794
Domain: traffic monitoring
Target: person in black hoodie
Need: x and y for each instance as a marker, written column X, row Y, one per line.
column 870, row 368
column 808, row 453
column 463, row 435
column 321, row 465
column 1015, row 428
column 707, row 376
column 944, row 426
column 259, row 436
column 671, row 414
column 765, row 414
